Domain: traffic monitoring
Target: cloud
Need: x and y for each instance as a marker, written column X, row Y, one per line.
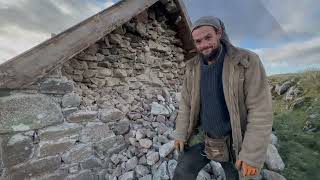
column 296, row 16
column 292, row 54
column 25, row 24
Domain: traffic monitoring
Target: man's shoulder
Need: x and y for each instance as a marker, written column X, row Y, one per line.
column 190, row 63
column 247, row 52
column 247, row 56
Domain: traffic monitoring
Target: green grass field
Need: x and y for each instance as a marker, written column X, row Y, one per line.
column 300, row 150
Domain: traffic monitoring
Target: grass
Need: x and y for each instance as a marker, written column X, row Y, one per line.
column 299, row 150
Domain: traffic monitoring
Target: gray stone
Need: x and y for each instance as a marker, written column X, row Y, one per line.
column 91, row 163
column 145, row 143
column 274, row 139
column 16, row 150
column 161, row 173
column 152, row 158
column 134, row 116
column 24, row 112
column 172, row 164
column 53, row 176
column 203, row 175
column 100, row 57
column 273, row 160
column 111, row 82
column 110, row 115
column 161, row 118
column 270, row 175
column 141, row 29
column 68, row 111
column 71, row 100
column 115, row 159
column 83, row 175
column 166, row 149
column 87, row 57
column 297, row 103
column 90, row 73
column 142, row 170
column 121, row 73
column 65, row 130
column 55, row 147
column 110, row 145
column 127, row 176
column 101, row 175
column 82, row 116
column 150, row 77
column 160, row 98
column 178, row 97
column 78, row 153
column 121, row 128
column 281, row 89
column 146, row 177
column 115, row 39
column 35, row 168
column 217, row 169
column 140, row 134
column 104, row 72
column 157, row 47
column 166, row 64
column 56, row 86
column 131, row 163
column 95, row 132
column 159, row 109
column 73, row 168
column 98, row 82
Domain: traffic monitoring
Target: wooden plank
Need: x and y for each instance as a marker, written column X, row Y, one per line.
column 184, row 27
column 30, row 66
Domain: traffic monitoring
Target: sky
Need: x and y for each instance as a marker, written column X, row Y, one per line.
column 285, row 34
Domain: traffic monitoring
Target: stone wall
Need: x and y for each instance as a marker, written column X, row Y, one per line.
column 107, row 113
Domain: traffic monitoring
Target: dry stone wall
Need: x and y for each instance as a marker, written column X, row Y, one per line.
column 107, row 113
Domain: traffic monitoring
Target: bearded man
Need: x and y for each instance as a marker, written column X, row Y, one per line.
column 225, row 113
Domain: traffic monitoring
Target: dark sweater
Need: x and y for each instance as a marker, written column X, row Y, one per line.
column 214, row 115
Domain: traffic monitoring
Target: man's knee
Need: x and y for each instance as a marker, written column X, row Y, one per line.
column 185, row 171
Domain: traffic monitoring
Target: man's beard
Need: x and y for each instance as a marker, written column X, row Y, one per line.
column 211, row 56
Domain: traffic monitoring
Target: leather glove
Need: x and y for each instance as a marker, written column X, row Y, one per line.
column 179, row 144
column 246, row 169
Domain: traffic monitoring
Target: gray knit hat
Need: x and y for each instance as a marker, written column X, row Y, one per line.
column 211, row 21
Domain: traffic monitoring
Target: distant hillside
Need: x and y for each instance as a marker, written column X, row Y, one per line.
column 296, row 99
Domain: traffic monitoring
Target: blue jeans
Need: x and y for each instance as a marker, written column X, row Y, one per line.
column 191, row 162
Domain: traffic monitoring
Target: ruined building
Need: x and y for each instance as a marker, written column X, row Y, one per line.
column 99, row 100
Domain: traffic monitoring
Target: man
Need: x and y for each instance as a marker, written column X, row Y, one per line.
column 225, row 98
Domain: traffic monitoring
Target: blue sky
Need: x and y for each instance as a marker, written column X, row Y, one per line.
column 285, row 34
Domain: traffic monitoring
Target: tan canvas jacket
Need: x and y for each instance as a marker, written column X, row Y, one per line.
column 248, row 100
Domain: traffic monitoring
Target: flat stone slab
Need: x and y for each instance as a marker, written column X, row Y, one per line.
column 16, row 149
column 35, row 168
column 24, row 112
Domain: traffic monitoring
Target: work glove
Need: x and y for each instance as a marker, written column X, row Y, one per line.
column 179, row 144
column 246, row 169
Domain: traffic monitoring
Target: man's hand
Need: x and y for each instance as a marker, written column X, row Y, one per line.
column 246, row 168
column 179, row 144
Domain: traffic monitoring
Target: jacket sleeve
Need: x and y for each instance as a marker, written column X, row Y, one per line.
column 182, row 121
column 259, row 120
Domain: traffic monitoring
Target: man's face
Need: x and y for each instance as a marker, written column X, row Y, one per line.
column 206, row 39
